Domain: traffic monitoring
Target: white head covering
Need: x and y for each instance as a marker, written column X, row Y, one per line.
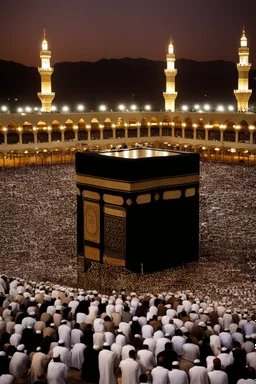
column 21, row 347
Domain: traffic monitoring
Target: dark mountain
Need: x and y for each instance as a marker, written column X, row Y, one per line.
column 126, row 80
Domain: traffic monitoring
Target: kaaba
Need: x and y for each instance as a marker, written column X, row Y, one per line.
column 138, row 208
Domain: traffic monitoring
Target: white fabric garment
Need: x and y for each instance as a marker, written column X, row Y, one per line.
column 147, row 331
column 215, row 344
column 151, row 344
column 249, row 327
column 77, row 355
column 126, row 329
column 209, row 363
column 125, row 351
column 160, row 375
column 64, row 332
column 177, row 376
column 251, row 360
column 146, row 360
column 57, row 373
column 171, row 313
column 225, row 360
column 248, row 346
column 108, row 366
column 15, row 339
column 81, row 317
column 109, row 337
column 64, row 355
column 177, row 344
column 117, row 348
column 28, row 321
column 218, row 377
column 226, row 340
column 160, row 345
column 158, row 335
column 169, row 328
column 227, row 320
column 98, row 325
column 98, row 339
column 190, row 352
column 18, row 365
column 130, row 371
column 6, row 379
column 198, row 375
column 76, row 336
column 121, row 339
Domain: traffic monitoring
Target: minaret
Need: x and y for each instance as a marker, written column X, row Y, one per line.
column 46, row 95
column 243, row 94
column 170, row 73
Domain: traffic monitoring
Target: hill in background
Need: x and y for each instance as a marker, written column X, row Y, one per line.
column 112, row 81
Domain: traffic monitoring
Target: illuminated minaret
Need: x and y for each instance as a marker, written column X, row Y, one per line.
column 46, row 95
column 170, row 73
column 243, row 94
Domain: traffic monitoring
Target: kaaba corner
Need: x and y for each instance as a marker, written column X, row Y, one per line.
column 138, row 208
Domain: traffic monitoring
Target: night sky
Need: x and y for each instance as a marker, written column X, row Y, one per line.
column 89, row 30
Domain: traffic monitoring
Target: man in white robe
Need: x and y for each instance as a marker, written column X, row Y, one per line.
column 64, row 353
column 108, row 365
column 64, row 332
column 217, row 376
column 77, row 355
column 159, row 374
column 57, row 372
column 130, row 370
column 146, row 359
column 76, row 334
column 198, row 374
column 176, row 375
column 19, row 363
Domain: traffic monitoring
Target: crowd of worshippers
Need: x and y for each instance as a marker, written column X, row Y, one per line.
column 46, row 331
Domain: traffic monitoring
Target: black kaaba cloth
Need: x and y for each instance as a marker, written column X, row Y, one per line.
column 138, row 208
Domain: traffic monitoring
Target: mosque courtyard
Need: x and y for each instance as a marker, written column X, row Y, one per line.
column 38, row 235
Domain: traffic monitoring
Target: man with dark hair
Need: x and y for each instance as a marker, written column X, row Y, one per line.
column 159, row 374
column 130, row 370
column 168, row 356
column 217, row 376
column 57, row 372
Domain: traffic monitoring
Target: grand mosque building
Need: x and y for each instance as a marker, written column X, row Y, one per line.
column 55, row 137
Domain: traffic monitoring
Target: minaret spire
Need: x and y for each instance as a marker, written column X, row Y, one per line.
column 170, row 73
column 243, row 93
column 46, row 95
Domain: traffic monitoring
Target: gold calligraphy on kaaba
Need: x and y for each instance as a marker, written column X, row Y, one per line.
column 91, row 221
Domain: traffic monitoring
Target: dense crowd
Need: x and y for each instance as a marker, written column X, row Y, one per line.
column 48, row 332
column 38, row 230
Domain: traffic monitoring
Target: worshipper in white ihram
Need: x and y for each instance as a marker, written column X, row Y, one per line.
column 64, row 332
column 176, row 375
column 57, row 372
column 19, row 363
column 198, row 374
column 159, row 374
column 146, row 359
column 64, row 353
column 77, row 355
column 217, row 376
column 130, row 370
column 108, row 365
